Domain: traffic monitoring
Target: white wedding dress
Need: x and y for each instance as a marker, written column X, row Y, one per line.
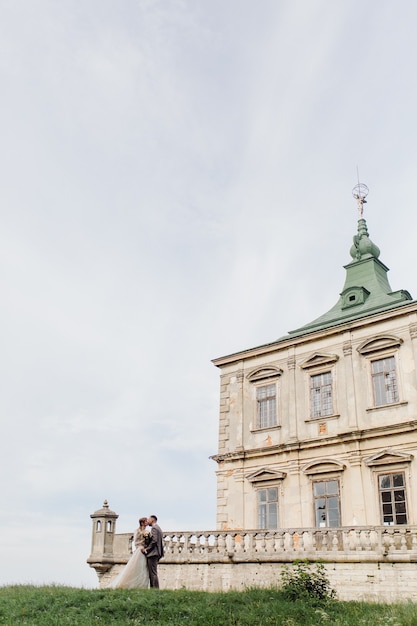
column 135, row 574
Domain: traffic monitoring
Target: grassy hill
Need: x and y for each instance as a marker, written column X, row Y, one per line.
column 58, row 606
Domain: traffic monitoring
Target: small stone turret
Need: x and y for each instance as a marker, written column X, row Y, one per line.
column 104, row 528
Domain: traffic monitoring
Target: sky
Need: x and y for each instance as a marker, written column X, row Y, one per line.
column 176, row 182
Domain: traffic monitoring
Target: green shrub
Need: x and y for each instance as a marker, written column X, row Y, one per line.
column 306, row 581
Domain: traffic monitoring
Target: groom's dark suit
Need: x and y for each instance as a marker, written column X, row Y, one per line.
column 154, row 551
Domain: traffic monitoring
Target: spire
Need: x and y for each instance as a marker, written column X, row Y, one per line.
column 362, row 247
column 366, row 290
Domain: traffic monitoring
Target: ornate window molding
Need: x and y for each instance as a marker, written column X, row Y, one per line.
column 319, row 359
column 388, row 457
column 264, row 373
column 323, row 466
column 377, row 344
column 320, row 381
column 266, row 397
column 384, row 375
column 265, row 475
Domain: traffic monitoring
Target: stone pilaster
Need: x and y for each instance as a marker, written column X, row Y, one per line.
column 350, row 386
column 292, row 408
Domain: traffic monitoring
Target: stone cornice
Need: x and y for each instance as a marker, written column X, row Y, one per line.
column 308, row 444
column 287, row 342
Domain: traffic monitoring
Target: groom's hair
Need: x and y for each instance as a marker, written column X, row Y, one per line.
column 154, row 517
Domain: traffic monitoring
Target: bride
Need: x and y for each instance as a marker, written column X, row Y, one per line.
column 135, row 574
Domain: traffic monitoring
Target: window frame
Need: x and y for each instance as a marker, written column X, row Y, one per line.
column 327, row 479
column 390, row 461
column 272, row 422
column 377, row 358
column 378, row 348
column 268, row 374
column 328, row 371
column 392, row 489
column 317, row 365
column 268, row 488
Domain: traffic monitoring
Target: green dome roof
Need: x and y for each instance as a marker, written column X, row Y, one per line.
column 366, row 290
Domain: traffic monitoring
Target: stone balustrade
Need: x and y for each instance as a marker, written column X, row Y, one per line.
column 375, row 563
column 354, row 544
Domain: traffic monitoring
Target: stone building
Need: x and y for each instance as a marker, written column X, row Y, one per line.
column 317, row 453
column 319, row 428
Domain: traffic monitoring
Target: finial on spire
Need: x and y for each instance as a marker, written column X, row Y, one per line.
column 359, row 192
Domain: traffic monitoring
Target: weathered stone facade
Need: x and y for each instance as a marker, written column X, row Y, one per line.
column 354, row 444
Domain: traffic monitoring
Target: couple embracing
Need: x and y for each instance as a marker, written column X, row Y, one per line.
column 141, row 570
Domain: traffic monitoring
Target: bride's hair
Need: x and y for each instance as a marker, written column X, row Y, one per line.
column 142, row 520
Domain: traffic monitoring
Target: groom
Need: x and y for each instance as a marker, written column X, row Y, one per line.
column 154, row 551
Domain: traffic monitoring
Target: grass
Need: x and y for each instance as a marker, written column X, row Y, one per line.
column 47, row 606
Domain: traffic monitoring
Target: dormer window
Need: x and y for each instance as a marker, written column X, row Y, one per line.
column 353, row 296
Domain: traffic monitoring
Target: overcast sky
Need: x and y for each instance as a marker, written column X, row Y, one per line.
column 176, row 182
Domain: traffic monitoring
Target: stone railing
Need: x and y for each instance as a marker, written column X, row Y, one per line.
column 391, row 543
column 375, row 563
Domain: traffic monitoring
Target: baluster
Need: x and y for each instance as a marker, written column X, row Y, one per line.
column 314, row 541
column 346, row 540
column 307, row 540
column 295, row 541
column 176, row 548
column 367, row 539
column 414, row 540
column 230, row 544
column 373, row 538
column 168, row 546
column 403, row 540
column 215, row 546
column 196, row 544
column 246, row 543
column 167, row 543
column 237, row 543
column 221, row 543
column 335, row 541
column 287, row 540
column 280, row 541
column 385, row 542
column 389, row 540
